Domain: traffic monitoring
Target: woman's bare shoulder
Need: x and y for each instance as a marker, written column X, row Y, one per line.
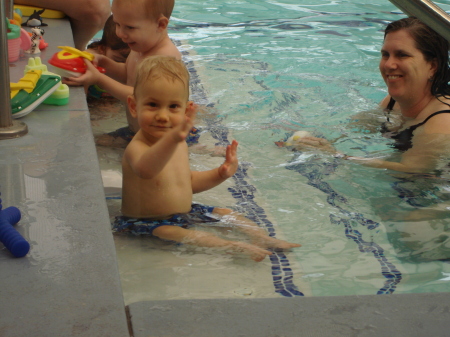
column 439, row 123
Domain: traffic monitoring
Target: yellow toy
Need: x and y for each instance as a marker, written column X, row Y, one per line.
column 48, row 13
column 69, row 62
column 17, row 19
column 37, row 86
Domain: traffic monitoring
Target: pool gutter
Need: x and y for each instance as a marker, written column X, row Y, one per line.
column 407, row 315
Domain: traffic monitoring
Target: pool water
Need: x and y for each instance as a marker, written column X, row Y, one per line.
column 261, row 70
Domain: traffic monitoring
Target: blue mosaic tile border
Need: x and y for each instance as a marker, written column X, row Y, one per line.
column 282, row 274
column 243, row 192
column 313, row 171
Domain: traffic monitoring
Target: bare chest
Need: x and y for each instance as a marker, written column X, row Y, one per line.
column 132, row 64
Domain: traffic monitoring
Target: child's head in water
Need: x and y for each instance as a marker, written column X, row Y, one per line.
column 110, row 44
column 161, row 94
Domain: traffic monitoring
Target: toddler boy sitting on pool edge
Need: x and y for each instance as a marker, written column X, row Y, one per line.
column 158, row 184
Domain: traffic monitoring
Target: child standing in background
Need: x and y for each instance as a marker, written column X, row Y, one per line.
column 158, row 184
column 142, row 25
column 111, row 46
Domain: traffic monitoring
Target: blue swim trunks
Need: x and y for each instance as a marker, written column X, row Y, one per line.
column 199, row 214
column 126, row 134
column 97, row 92
column 193, row 136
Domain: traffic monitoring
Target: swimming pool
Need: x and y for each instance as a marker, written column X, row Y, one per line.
column 265, row 69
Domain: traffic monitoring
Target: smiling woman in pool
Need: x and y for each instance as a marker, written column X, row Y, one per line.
column 415, row 67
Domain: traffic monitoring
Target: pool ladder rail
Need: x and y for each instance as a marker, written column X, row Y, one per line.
column 9, row 128
column 429, row 13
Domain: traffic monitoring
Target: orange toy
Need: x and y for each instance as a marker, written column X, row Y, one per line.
column 70, row 62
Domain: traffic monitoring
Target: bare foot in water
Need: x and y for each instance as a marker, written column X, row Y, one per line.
column 217, row 151
column 271, row 242
column 256, row 253
column 110, row 141
column 119, row 138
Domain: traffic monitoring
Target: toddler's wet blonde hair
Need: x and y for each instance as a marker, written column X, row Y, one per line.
column 154, row 67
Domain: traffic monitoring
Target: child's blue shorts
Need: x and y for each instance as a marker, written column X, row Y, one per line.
column 199, row 214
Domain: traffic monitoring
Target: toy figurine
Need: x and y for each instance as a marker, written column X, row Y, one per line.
column 35, row 19
column 42, row 43
column 36, row 34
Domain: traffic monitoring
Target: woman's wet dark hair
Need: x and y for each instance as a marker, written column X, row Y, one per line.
column 432, row 45
column 109, row 37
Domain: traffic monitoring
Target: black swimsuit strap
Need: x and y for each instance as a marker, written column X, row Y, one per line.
column 403, row 139
column 388, row 110
column 415, row 126
column 391, row 104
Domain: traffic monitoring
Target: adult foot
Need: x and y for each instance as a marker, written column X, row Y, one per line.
column 119, row 138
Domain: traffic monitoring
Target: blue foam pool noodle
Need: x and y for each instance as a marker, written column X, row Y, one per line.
column 9, row 236
column 11, row 214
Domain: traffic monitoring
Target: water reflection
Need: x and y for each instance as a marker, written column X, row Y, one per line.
column 417, row 217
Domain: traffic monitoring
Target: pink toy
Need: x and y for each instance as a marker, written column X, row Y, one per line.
column 13, row 35
column 25, row 39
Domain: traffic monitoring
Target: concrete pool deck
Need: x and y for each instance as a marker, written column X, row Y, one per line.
column 69, row 284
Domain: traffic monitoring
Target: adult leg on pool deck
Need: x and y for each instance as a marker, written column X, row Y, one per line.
column 87, row 17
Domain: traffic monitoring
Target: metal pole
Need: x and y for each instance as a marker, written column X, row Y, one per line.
column 427, row 12
column 9, row 9
column 9, row 128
